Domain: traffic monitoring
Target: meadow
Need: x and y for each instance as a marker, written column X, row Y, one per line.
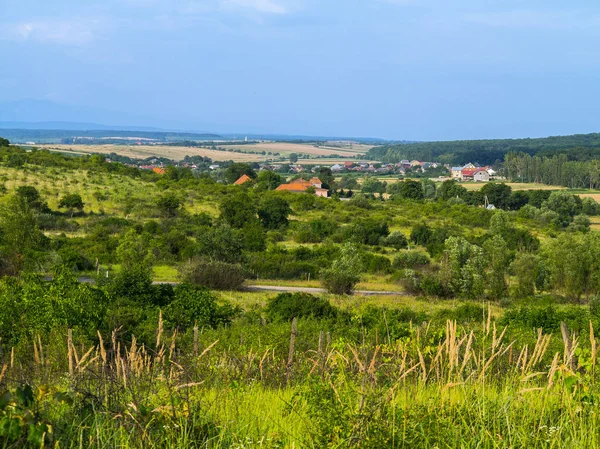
column 492, row 342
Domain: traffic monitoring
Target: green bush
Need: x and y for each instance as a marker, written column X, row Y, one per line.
column 287, row 306
column 213, row 274
column 344, row 273
column 410, row 259
column 197, row 306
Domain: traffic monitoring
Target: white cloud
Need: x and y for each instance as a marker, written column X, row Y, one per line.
column 73, row 32
column 263, row 6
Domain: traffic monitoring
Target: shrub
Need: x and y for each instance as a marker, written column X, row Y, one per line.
column 213, row 274
column 287, row 306
column 344, row 273
column 410, row 259
column 431, row 286
column 396, row 240
column 193, row 305
column 373, row 263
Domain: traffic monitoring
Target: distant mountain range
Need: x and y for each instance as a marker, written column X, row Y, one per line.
column 44, row 115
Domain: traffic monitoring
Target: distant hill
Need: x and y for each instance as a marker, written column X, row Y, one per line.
column 96, row 136
column 73, row 126
column 577, row 147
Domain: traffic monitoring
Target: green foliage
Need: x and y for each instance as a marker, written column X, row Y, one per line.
column 366, row 231
column 71, row 201
column 410, row 259
column 238, row 209
column 273, row 212
column 314, row 231
column 463, row 268
column 221, row 243
column 21, row 241
column 396, row 240
column 287, row 306
column 236, row 170
column 193, row 306
column 168, row 205
column 408, row 190
column 451, row 189
column 213, row 274
column 268, row 180
column 344, row 272
column 498, row 194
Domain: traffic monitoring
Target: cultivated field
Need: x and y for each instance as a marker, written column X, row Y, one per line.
column 286, row 148
column 145, row 151
column 251, row 153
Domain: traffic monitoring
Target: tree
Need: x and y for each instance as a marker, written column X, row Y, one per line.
column 462, row 268
column 4, row 142
column 32, row 197
column 273, row 212
column 238, row 209
column 409, row 190
column 396, row 240
column 451, row 189
column 429, row 188
column 421, row 234
column 497, row 194
column 326, row 176
column 236, row 170
column 293, row 158
column 497, row 256
column 268, row 180
column 221, row 243
column 71, row 201
column 344, row 273
column 527, row 269
column 373, row 185
column 168, row 205
column 565, row 205
column 21, row 243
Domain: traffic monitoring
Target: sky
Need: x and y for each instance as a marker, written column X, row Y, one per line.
column 394, row 69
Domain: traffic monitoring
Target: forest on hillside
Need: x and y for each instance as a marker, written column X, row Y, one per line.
column 490, row 152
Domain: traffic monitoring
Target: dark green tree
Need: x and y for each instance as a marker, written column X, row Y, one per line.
column 274, row 212
column 71, row 201
column 238, row 209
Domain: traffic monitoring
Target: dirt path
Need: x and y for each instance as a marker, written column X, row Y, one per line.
column 315, row 291
column 277, row 288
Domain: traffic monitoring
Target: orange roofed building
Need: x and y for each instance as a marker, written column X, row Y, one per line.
column 158, row 170
column 300, row 185
column 244, row 179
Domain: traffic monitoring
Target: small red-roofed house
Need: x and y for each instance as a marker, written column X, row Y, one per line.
column 158, row 170
column 243, row 180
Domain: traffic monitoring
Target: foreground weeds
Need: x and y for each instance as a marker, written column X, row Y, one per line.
column 445, row 388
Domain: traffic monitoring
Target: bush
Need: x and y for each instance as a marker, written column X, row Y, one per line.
column 396, row 240
column 373, row 263
column 410, row 259
column 344, row 273
column 431, row 286
column 287, row 306
column 197, row 306
column 213, row 274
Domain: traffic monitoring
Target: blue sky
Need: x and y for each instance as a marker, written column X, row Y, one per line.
column 398, row 69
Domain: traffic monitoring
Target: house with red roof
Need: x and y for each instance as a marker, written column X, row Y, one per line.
column 301, row 185
column 243, row 180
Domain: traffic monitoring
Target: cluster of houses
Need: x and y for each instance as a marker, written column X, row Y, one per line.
column 473, row 172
